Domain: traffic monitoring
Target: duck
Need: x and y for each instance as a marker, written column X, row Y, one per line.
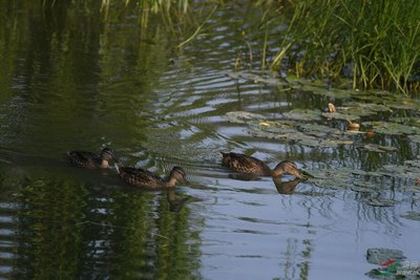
column 175, row 202
column 90, row 160
column 140, row 177
column 250, row 165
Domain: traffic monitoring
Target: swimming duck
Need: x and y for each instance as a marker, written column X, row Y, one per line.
column 90, row 160
column 140, row 177
column 250, row 165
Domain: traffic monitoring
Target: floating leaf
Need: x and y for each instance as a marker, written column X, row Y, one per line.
column 380, row 202
column 410, row 170
column 340, row 116
column 378, row 148
column 368, row 108
column 380, row 255
column 311, row 135
column 335, row 93
column 318, row 130
column 390, row 128
column 242, row 117
column 363, row 186
column 411, row 215
column 406, row 121
column 303, row 115
column 353, row 111
column 272, row 133
column 263, row 77
column 332, row 178
column 404, row 104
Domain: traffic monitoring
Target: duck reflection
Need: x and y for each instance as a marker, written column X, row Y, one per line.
column 286, row 187
column 175, row 201
column 244, row 177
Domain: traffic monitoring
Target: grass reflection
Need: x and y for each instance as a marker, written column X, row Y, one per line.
column 67, row 230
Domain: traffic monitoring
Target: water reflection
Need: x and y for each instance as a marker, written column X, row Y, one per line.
column 285, row 187
column 78, row 77
column 61, row 228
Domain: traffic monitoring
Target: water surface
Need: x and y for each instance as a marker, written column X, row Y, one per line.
column 72, row 78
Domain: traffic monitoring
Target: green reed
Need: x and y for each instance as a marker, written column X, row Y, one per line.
column 379, row 41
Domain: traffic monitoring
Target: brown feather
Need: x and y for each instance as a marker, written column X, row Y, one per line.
column 245, row 164
column 140, row 177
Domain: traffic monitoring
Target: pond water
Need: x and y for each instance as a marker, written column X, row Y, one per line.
column 74, row 78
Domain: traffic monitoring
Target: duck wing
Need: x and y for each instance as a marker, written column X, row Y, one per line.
column 139, row 177
column 245, row 164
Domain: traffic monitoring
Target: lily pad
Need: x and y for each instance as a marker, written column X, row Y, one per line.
column 280, row 130
column 411, row 121
column 353, row 111
column 391, row 128
column 284, row 131
column 318, row 130
column 380, row 202
column 365, row 109
column 404, row 104
column 340, row 116
column 303, row 115
column 378, row 148
column 380, row 255
column 242, row 117
column 332, row 178
column 415, row 138
column 280, row 127
column 410, row 170
column 366, row 187
column 263, row 77
column 411, row 215
column 335, row 93
column 311, row 135
column 288, row 136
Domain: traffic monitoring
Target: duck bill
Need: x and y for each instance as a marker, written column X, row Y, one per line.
column 117, row 168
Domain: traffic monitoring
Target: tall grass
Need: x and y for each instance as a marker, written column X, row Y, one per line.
column 379, row 41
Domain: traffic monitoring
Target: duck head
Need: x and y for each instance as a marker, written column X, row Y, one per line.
column 106, row 157
column 177, row 175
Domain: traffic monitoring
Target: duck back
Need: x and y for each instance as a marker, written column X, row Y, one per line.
column 83, row 159
column 245, row 164
column 140, row 177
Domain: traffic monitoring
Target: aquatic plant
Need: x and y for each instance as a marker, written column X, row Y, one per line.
column 376, row 44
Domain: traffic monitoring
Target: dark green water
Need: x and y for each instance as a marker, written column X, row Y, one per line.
column 72, row 77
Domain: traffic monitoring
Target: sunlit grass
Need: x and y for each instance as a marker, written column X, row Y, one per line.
column 379, row 41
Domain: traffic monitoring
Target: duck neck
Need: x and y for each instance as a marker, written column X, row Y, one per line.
column 170, row 182
column 117, row 168
column 277, row 173
column 104, row 164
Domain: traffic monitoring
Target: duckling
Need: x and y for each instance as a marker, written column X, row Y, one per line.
column 91, row 160
column 140, row 177
column 249, row 165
